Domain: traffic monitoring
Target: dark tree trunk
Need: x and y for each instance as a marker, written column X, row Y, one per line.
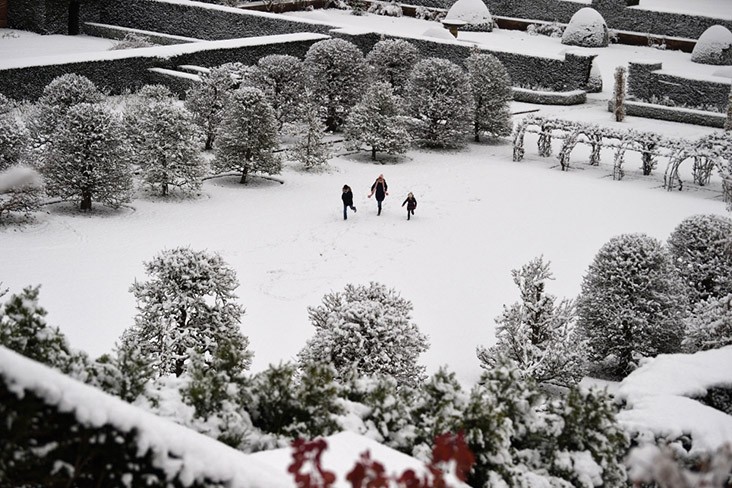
column 209, row 141
column 373, row 153
column 243, row 179
column 477, row 133
column 86, row 200
column 74, row 17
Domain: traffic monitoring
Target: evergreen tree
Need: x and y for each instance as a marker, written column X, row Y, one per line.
column 377, row 122
column 247, row 135
column 187, row 306
column 166, row 148
column 702, row 255
column 632, row 302
column 206, row 101
column 492, row 93
column 709, row 325
column 369, row 329
column 23, row 329
column 88, row 160
column 336, row 70
column 440, row 103
column 125, row 373
column 537, row 335
column 58, row 97
column 309, row 149
column 282, row 79
column 391, row 61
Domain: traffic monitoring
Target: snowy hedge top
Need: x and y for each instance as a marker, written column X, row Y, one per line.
column 586, row 28
column 657, row 400
column 714, row 46
column 473, row 12
column 180, row 452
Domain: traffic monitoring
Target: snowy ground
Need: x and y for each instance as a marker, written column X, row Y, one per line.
column 16, row 44
column 479, row 216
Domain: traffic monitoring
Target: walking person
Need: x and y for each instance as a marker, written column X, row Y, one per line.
column 347, row 197
column 380, row 188
column 411, row 204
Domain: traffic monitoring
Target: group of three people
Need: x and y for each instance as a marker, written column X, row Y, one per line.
column 381, row 190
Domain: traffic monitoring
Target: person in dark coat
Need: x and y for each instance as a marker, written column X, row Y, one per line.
column 380, row 188
column 347, row 197
column 411, row 204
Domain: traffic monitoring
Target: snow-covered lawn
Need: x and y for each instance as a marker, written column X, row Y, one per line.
column 17, row 44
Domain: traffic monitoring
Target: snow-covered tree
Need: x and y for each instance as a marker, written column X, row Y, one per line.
column 377, row 122
column 632, row 303
column 187, row 306
column 58, row 97
column 336, row 72
column 492, row 94
column 206, row 101
column 124, row 373
column 440, row 103
column 702, row 254
column 88, row 158
column 23, row 329
column 536, row 334
column 247, row 135
column 369, row 329
column 282, row 79
column 392, row 60
column 166, row 148
column 20, row 191
column 709, row 325
column 14, row 138
column 309, row 148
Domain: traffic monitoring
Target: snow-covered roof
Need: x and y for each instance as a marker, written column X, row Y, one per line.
column 657, row 397
column 177, row 450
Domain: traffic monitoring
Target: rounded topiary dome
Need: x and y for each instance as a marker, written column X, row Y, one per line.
column 586, row 28
column 714, row 46
column 474, row 13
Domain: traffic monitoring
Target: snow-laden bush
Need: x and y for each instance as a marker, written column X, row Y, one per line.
column 310, row 148
column 474, row 13
column 392, row 60
column 20, row 191
column 632, row 303
column 714, row 46
column 367, row 329
column 282, row 79
column 389, row 9
column 247, row 135
column 88, row 158
column 377, row 122
column 206, row 100
column 336, row 72
column 14, row 138
column 586, row 28
column 492, row 94
column 701, row 246
column 537, row 335
column 709, row 325
column 440, row 104
column 186, row 306
column 166, row 146
column 132, row 40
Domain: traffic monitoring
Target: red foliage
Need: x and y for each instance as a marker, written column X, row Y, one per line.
column 450, row 454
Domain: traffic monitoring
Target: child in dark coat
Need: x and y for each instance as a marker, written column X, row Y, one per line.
column 411, row 204
column 347, row 197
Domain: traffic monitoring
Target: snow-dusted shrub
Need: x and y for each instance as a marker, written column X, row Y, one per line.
column 440, row 104
column 728, row 121
column 632, row 303
column 377, row 122
column 423, row 13
column 281, row 77
column 491, row 86
column 392, row 60
column 154, row 92
column 58, row 97
column 23, row 329
column 389, row 9
column 309, row 148
column 709, row 325
column 336, row 71
column 132, row 40
column 586, row 28
column 367, row 329
column 537, row 335
column 619, row 90
column 714, row 46
column 124, row 373
column 474, row 13
column 553, row 29
column 702, row 254
column 247, row 135
column 166, row 146
column 206, row 100
column 186, row 306
column 652, row 465
column 88, row 160
column 14, row 138
column 20, row 191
